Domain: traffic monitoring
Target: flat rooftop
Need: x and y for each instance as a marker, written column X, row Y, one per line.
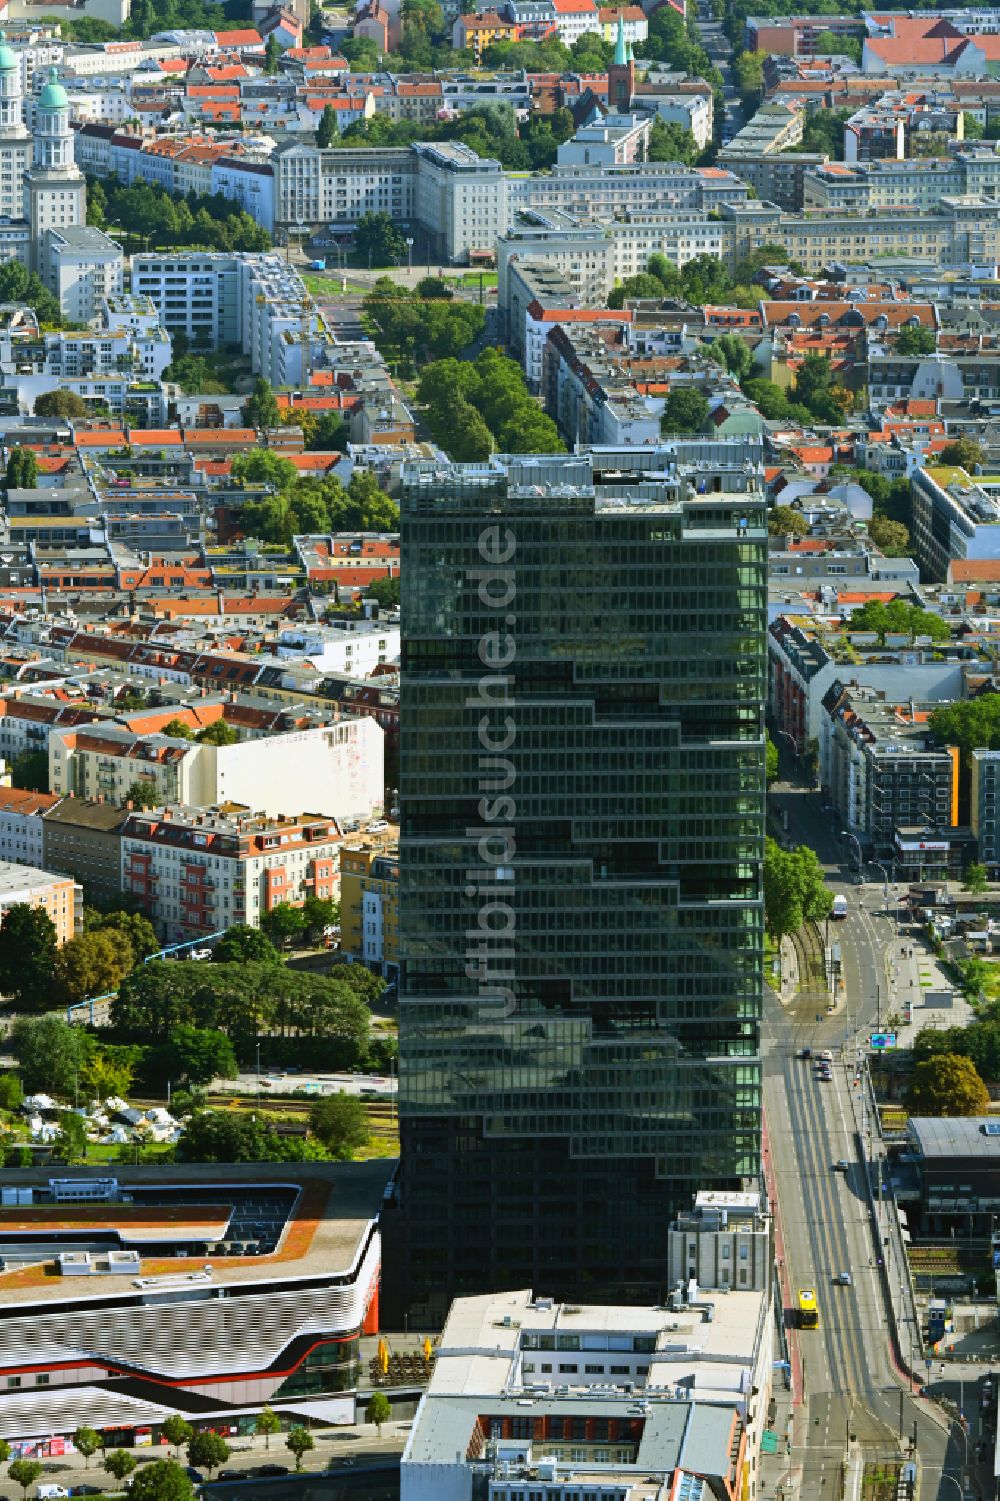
column 328, row 1220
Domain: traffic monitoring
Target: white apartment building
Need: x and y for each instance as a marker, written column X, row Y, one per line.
column 21, row 825
column 15, row 142
column 83, row 266
column 357, row 646
column 337, row 769
column 201, row 870
column 256, row 301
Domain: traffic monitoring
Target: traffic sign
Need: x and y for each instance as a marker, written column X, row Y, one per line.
column 882, row 1039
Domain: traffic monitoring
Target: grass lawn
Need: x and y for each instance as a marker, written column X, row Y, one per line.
column 327, row 285
column 384, row 1139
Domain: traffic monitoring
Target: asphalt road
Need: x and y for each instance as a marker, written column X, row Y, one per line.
column 850, row 1384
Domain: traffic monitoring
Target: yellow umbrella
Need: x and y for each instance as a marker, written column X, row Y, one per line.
column 428, row 1347
column 383, row 1356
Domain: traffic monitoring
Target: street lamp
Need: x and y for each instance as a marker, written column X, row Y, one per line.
column 409, row 253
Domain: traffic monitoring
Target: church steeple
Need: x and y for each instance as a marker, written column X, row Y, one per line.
column 621, row 73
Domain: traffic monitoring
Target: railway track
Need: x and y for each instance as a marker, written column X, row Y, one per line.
column 378, row 1109
column 811, row 955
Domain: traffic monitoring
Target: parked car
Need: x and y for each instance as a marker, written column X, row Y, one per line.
column 271, row 1470
column 193, row 1474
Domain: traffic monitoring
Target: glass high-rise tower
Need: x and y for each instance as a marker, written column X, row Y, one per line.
column 582, row 834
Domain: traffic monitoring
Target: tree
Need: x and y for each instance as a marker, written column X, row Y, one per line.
column 163, row 1480
column 27, row 954
column 633, row 287
column 218, row 733
column 88, row 1442
column 914, row 341
column 220, row 1136
column 774, row 253
column 11, row 1098
column 377, row 237
column 105, row 1077
column 378, row 1410
column 177, row 1431
column 749, row 72
column 60, row 404
column 340, row 1121
column 244, row 945
column 30, row 770
column 178, row 730
column 684, row 411
column 93, row 963
column 319, row 913
column 794, row 891
column 119, row 1464
column 670, row 142
column 283, row 924
column 326, row 130
column 330, row 434
column 4, row 1451
column 143, row 793
column 272, row 56
column 972, row 128
column 299, row 1441
column 207, row 1450
column 264, row 467
column 261, row 409
column 977, row 879
column 836, row 44
column 891, row 537
column 785, row 520
column 770, row 760
column 72, row 1135
column 268, row 1422
column 50, row 1053
column 736, row 354
column 200, row 1054
column 899, row 617
column 963, row 453
column 24, row 1472
column 22, row 469
column 947, row 1084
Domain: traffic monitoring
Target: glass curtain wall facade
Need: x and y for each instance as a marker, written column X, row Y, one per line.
column 581, row 917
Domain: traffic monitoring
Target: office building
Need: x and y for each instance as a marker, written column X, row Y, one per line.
column 530, row 1396
column 564, row 1090
column 15, row 142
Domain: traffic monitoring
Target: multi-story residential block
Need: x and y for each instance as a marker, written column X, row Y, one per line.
column 795, row 36
column 572, row 735
column 479, row 31
column 589, row 396
column 460, row 199
column 886, row 774
column 21, row 825
column 804, row 661
column 82, row 838
column 955, row 517
column 202, row 869
column 59, row 897
column 984, row 807
column 369, row 904
column 83, row 267
column 338, row 768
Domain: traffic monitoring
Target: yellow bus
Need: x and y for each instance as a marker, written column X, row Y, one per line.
column 808, row 1312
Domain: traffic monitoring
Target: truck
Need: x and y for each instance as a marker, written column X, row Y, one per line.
column 839, row 907
column 317, row 265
